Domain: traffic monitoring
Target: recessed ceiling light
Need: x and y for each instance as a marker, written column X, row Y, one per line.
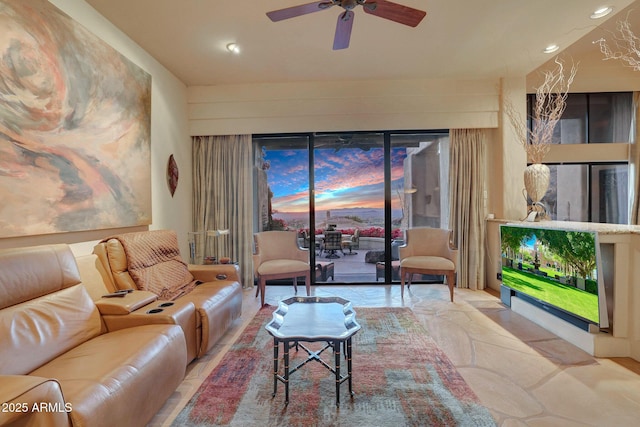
column 601, row 12
column 233, row 48
column 551, row 48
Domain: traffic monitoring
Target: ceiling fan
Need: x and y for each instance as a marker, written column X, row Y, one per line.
column 382, row 8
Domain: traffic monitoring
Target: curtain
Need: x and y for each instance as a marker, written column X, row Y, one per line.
column 223, row 198
column 634, row 162
column 466, row 200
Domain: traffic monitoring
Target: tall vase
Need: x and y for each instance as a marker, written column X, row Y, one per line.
column 536, row 181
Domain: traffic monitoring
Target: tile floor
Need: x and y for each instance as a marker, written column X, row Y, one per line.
column 525, row 375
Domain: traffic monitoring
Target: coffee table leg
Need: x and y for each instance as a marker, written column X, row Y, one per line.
column 336, row 351
column 286, row 372
column 275, row 367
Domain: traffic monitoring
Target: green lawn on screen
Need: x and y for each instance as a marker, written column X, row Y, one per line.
column 571, row 299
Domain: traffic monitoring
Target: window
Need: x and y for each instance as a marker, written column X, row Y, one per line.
column 610, row 194
column 591, row 191
column 593, row 118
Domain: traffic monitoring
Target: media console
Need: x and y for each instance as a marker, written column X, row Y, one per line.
column 614, row 331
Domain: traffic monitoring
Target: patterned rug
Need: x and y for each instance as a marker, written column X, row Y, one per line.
column 400, row 378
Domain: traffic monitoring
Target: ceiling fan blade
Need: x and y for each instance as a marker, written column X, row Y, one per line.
column 343, row 30
column 303, row 9
column 395, row 12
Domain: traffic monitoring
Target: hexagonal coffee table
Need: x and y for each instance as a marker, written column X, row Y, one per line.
column 313, row 319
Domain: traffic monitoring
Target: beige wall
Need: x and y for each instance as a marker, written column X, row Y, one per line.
column 374, row 105
column 169, row 135
column 343, row 106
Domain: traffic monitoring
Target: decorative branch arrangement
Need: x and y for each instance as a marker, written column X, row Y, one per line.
column 551, row 100
column 626, row 45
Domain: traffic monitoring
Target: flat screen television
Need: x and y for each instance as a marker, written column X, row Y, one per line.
column 557, row 270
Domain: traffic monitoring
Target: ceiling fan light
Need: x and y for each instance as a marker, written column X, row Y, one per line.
column 370, row 6
column 233, row 48
column 601, row 12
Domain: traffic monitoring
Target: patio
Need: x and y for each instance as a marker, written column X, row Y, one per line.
column 353, row 268
column 350, row 268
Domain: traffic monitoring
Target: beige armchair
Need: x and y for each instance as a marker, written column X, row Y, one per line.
column 278, row 256
column 428, row 251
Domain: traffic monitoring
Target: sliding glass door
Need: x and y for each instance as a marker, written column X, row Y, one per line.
column 349, row 204
column 351, row 196
column 282, row 183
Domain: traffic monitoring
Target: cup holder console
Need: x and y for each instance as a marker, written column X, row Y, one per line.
column 160, row 308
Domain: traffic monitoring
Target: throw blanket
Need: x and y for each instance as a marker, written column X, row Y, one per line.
column 154, row 263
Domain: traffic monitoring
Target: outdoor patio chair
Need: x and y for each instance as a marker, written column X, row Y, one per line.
column 304, row 234
column 278, row 256
column 352, row 242
column 428, row 251
column 332, row 243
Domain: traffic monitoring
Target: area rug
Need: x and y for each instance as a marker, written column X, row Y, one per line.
column 400, row 378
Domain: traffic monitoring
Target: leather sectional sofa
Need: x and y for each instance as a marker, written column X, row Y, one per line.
column 217, row 297
column 87, row 360
column 60, row 364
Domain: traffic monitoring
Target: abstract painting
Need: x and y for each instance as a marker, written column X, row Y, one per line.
column 75, row 119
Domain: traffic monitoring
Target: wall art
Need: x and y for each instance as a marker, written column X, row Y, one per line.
column 172, row 175
column 75, row 119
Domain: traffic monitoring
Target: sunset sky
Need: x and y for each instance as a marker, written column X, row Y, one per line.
column 349, row 178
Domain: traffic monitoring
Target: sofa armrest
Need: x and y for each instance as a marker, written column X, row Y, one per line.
column 32, row 401
column 127, row 304
column 215, row 272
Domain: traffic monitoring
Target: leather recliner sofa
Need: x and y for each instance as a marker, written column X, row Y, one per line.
column 217, row 297
column 61, row 365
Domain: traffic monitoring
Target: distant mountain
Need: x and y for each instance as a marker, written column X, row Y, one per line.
column 366, row 215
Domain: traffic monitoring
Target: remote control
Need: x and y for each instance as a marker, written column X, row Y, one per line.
column 115, row 295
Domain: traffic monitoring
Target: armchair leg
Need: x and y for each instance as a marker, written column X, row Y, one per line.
column 402, row 275
column 307, row 282
column 451, row 283
column 262, row 286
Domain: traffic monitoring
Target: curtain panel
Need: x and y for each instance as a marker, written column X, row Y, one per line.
column 634, row 162
column 467, row 181
column 223, row 198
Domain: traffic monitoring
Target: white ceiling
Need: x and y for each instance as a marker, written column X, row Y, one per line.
column 463, row 39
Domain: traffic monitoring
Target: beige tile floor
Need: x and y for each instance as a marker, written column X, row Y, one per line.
column 525, row 375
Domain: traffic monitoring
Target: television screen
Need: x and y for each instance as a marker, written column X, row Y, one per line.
column 555, row 267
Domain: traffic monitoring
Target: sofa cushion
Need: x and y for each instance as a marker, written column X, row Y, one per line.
column 117, row 262
column 122, row 377
column 428, row 262
column 39, row 402
column 152, row 260
column 27, row 273
column 282, row 266
column 95, row 278
column 37, row 331
column 218, row 304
